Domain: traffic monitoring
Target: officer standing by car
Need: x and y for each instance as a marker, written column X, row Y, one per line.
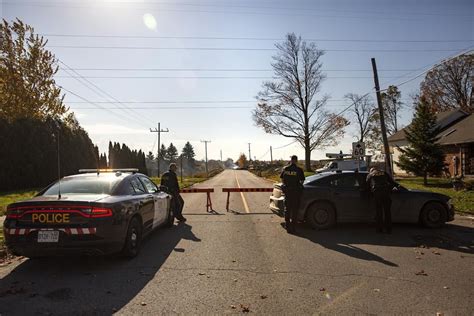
column 292, row 177
column 170, row 180
column 381, row 185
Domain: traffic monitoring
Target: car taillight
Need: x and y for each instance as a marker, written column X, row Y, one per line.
column 100, row 212
column 14, row 213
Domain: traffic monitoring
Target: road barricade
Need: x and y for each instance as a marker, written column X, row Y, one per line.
column 229, row 190
column 201, row 190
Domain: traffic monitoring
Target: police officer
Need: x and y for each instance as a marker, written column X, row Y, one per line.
column 292, row 177
column 381, row 185
column 170, row 180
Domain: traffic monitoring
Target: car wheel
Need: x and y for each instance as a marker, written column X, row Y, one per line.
column 321, row 215
column 433, row 215
column 133, row 239
column 170, row 220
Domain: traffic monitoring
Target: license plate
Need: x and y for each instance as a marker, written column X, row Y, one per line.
column 48, row 236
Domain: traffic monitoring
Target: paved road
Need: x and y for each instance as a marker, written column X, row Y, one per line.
column 227, row 262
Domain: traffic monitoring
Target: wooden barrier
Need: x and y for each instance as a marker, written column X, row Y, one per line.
column 228, row 190
column 203, row 190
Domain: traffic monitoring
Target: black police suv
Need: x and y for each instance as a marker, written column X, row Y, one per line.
column 344, row 197
column 97, row 212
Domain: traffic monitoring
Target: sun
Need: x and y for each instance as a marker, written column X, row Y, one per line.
column 149, row 21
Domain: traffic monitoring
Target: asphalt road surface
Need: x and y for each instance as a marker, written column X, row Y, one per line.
column 244, row 261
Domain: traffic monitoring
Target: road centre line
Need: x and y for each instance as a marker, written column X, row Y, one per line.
column 242, row 194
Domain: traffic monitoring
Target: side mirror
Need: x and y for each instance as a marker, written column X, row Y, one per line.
column 163, row 188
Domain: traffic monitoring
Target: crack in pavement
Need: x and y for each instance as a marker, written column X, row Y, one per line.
column 291, row 272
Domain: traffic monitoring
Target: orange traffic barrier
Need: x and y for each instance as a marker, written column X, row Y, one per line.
column 228, row 190
column 203, row 190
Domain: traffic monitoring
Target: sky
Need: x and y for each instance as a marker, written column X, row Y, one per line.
column 196, row 66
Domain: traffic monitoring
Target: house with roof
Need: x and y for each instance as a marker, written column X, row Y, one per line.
column 456, row 137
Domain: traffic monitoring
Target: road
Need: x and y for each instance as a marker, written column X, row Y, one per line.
column 224, row 263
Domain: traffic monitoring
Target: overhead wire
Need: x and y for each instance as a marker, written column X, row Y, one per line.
column 100, row 92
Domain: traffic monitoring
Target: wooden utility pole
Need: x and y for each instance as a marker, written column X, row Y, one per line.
column 388, row 164
column 250, row 157
column 271, row 155
column 159, row 131
column 205, row 146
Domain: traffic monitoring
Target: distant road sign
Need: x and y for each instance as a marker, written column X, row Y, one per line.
column 358, row 149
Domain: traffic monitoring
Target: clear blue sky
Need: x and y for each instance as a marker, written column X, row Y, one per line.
column 401, row 25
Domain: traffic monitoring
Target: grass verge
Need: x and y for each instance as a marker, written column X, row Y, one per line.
column 463, row 200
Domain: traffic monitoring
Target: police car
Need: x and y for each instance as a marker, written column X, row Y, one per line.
column 344, row 197
column 95, row 212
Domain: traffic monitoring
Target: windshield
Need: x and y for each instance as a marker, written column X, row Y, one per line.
column 85, row 185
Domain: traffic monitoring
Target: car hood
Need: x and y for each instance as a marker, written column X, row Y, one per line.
column 431, row 194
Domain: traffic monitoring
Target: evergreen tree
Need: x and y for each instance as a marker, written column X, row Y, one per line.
column 172, row 153
column 163, row 153
column 150, row 156
column 423, row 156
column 188, row 151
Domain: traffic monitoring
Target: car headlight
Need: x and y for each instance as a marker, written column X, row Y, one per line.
column 450, row 203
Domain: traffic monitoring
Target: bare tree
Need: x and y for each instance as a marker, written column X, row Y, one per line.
column 449, row 85
column 286, row 105
column 364, row 109
column 391, row 106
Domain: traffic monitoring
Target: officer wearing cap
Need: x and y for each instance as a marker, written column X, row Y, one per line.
column 170, row 180
column 292, row 177
column 381, row 185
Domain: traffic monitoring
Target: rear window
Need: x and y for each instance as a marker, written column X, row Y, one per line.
column 85, row 185
column 314, row 179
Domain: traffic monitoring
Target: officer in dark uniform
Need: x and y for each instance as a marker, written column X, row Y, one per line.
column 381, row 185
column 292, row 177
column 170, row 180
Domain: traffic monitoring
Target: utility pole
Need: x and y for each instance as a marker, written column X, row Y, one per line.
column 205, row 146
column 271, row 155
column 388, row 165
column 221, row 155
column 250, row 157
column 159, row 131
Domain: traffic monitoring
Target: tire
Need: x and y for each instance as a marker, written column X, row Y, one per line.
column 321, row 215
column 133, row 239
column 433, row 215
column 170, row 219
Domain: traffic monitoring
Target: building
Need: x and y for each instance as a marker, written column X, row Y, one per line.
column 456, row 138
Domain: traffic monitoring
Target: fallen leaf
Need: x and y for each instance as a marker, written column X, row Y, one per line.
column 208, row 276
column 439, row 314
column 446, row 287
column 235, row 280
column 245, row 309
column 322, row 289
column 436, row 252
column 422, row 272
column 202, row 273
column 234, row 260
column 418, row 257
column 290, row 289
column 376, row 290
column 143, row 304
column 233, row 306
column 328, row 296
column 263, row 297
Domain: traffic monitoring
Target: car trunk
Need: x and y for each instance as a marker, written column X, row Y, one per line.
column 277, row 190
column 49, row 212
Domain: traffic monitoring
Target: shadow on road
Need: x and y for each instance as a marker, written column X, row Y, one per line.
column 345, row 237
column 87, row 285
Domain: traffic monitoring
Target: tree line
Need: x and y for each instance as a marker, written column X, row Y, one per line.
column 40, row 139
column 289, row 105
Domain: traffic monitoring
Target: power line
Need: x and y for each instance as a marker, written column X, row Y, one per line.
column 244, row 49
column 124, row 5
column 227, row 69
column 209, row 77
column 254, row 38
column 100, row 92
